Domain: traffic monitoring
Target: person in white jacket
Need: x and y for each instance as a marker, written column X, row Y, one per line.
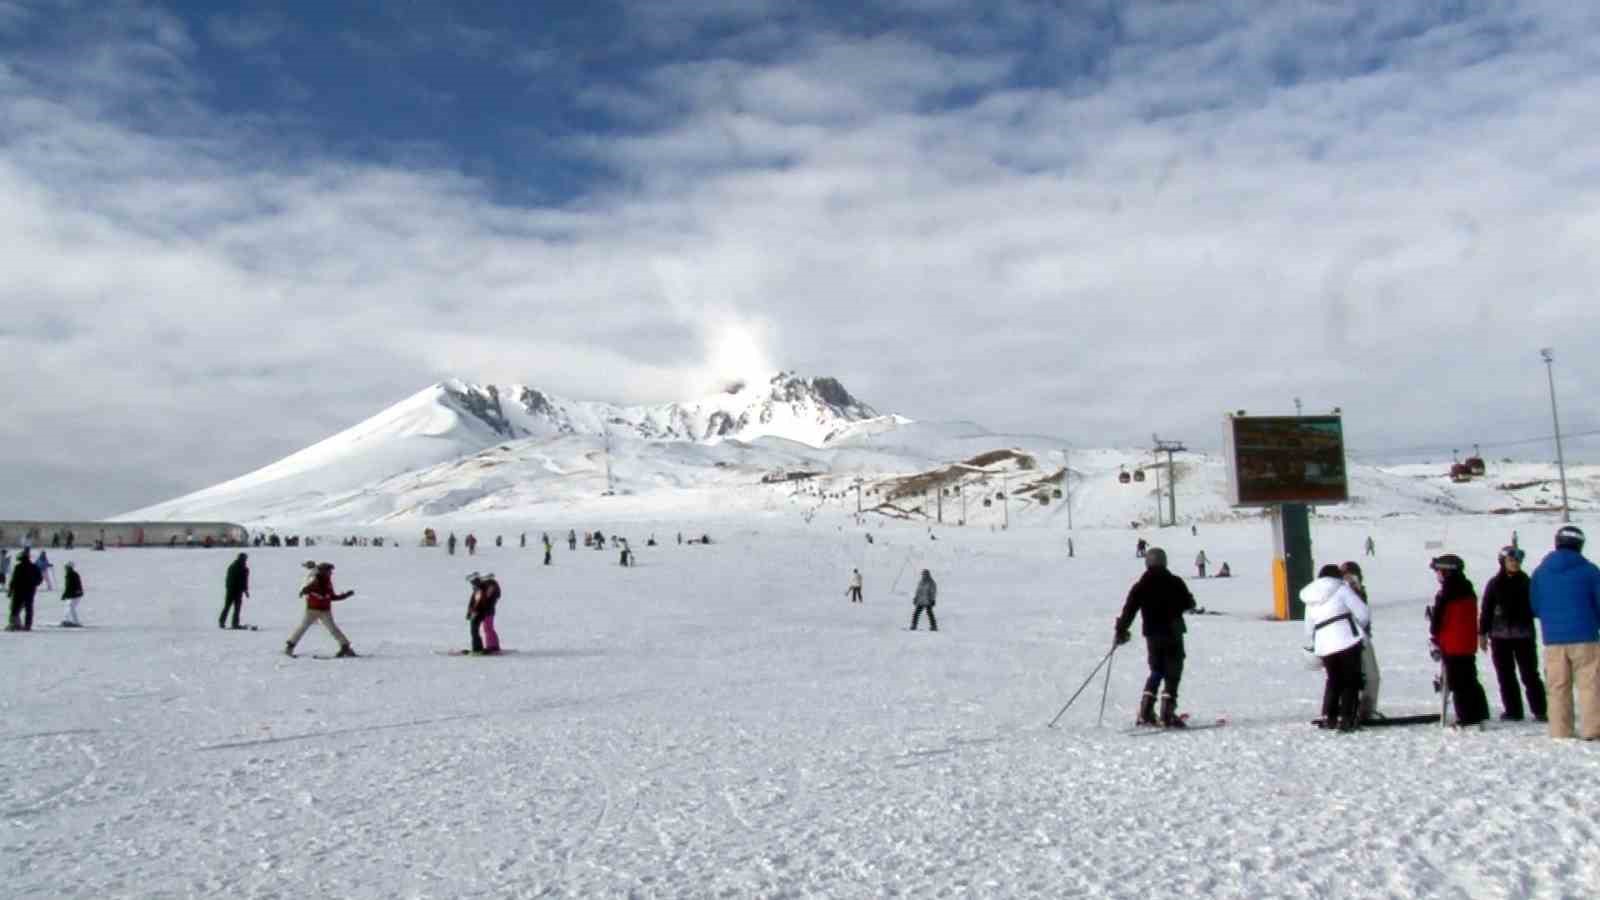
column 854, row 591
column 1336, row 622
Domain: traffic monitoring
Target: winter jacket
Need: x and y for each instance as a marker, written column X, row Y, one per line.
column 1506, row 612
column 484, row 598
column 855, row 579
column 1565, row 597
column 927, row 592
column 319, row 593
column 73, row 587
column 1454, row 624
column 1336, row 616
column 1161, row 598
column 25, row 578
column 237, row 581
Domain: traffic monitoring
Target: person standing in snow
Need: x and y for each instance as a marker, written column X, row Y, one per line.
column 472, row 544
column 1160, row 598
column 1139, row 548
column 1336, row 624
column 71, row 593
column 547, row 549
column 1453, row 627
column 320, row 597
column 450, row 544
column 1505, row 629
column 1200, row 564
column 45, row 566
column 1371, row 678
column 854, row 591
column 480, row 612
column 927, row 593
column 24, row 584
column 1372, row 548
column 235, row 587
column 5, row 566
column 523, row 539
column 1565, row 595
column 572, row 539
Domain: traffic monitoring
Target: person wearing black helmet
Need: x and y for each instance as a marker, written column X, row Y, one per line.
column 1453, row 627
column 1505, row 629
column 1160, row 598
column 1565, row 595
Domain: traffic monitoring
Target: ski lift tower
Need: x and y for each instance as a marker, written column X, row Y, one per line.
column 1169, row 448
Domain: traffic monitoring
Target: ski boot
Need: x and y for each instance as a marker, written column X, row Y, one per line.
column 1147, row 710
column 1169, row 713
column 344, row 650
column 288, row 648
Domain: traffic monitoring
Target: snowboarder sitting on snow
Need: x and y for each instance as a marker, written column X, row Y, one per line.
column 235, row 587
column 1336, row 624
column 320, row 597
column 480, row 612
column 1160, row 598
column 1224, row 572
column 927, row 593
column 71, row 593
column 1453, row 628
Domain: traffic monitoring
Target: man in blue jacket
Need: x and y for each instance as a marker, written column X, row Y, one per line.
column 1565, row 595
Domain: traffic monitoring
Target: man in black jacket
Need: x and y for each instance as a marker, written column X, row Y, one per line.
column 1505, row 629
column 235, row 587
column 25, row 579
column 1161, row 598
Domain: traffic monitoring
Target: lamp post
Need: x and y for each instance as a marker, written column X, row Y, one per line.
column 1561, row 462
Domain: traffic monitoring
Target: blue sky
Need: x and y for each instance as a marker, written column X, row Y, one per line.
column 239, row 228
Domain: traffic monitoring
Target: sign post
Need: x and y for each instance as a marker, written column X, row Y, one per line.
column 1286, row 464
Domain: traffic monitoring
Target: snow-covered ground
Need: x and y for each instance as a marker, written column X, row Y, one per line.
column 720, row 722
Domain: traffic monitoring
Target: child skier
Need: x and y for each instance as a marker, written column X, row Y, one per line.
column 480, row 612
column 71, row 591
column 320, row 597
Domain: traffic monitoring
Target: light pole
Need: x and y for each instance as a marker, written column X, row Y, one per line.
column 1561, row 462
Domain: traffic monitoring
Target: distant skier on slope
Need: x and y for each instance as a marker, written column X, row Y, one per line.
column 472, row 544
column 572, row 539
column 1160, row 598
column 235, row 587
column 45, row 565
column 320, row 597
column 1336, row 625
column 1200, row 564
column 927, row 593
column 480, row 612
column 450, row 545
column 854, row 590
column 547, row 549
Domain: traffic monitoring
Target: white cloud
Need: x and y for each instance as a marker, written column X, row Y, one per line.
column 1223, row 213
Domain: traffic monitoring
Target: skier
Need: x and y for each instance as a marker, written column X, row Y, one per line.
column 1160, row 598
column 626, row 558
column 1505, row 629
column 1372, row 548
column 472, row 544
column 45, row 566
column 497, row 541
column 523, row 541
column 927, row 593
column 572, row 539
column 450, row 544
column 1336, row 623
column 320, row 597
column 854, row 591
column 1370, row 676
column 1200, row 564
column 480, row 612
column 23, row 585
column 1565, row 594
column 1453, row 627
column 235, row 587
column 547, row 549
column 1140, row 547
column 71, row 592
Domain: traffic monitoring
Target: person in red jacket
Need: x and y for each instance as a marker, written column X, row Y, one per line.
column 320, row 597
column 1453, row 628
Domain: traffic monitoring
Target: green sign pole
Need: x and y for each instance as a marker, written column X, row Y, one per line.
column 1291, row 542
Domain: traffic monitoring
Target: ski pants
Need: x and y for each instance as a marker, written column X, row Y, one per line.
column 313, row 616
column 1461, row 675
column 547, row 556
column 855, row 595
column 483, row 634
column 231, row 601
column 1567, row 666
column 1166, row 665
column 933, row 624
column 1510, row 655
column 72, row 611
column 1341, row 695
column 21, row 611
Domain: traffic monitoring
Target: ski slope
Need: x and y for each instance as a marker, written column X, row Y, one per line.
column 719, row 722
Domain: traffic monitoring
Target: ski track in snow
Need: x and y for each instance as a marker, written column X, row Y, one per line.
column 720, row 722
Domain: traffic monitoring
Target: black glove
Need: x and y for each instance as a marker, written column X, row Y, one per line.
column 1123, row 637
column 1434, row 653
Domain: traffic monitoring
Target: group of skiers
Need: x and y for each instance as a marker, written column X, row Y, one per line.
column 22, row 581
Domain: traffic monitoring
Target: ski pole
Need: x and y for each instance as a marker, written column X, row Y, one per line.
column 1105, row 689
column 1096, row 671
